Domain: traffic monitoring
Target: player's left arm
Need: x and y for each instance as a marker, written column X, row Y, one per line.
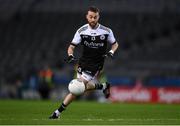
column 114, row 47
column 114, row 44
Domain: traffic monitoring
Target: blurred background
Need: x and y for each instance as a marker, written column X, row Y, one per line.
column 35, row 34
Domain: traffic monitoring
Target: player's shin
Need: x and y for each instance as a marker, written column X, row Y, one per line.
column 94, row 85
column 68, row 99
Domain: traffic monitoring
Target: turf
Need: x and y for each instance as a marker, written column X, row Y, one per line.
column 88, row 113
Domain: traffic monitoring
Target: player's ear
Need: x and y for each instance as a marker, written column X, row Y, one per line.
column 98, row 17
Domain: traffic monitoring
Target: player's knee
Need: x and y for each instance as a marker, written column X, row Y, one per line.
column 76, row 87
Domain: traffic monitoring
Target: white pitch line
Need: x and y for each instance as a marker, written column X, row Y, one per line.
column 88, row 119
column 111, row 119
column 133, row 119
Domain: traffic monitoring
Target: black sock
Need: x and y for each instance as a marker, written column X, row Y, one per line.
column 62, row 107
column 98, row 86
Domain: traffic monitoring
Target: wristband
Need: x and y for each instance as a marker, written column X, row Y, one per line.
column 111, row 51
column 71, row 55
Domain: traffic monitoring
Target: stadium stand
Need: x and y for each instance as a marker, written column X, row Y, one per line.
column 34, row 34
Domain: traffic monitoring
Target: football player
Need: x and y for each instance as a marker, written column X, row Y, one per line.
column 94, row 38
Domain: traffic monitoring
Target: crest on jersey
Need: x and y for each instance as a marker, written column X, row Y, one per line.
column 102, row 37
column 93, row 38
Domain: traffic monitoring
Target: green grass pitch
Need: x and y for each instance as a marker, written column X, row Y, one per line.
column 88, row 113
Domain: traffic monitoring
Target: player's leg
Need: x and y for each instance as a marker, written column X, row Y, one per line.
column 94, row 84
column 70, row 97
column 90, row 84
column 98, row 86
column 67, row 100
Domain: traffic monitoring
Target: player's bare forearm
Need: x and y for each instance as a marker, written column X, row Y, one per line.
column 114, row 47
column 70, row 50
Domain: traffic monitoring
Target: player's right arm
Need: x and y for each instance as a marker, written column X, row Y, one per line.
column 70, row 50
column 76, row 40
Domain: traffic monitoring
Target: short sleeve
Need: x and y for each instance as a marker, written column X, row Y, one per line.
column 111, row 39
column 77, row 39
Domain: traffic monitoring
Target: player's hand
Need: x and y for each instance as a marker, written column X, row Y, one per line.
column 70, row 59
column 109, row 55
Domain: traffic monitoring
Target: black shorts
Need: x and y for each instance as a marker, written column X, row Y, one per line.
column 89, row 69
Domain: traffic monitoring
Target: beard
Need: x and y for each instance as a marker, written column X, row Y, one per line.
column 93, row 24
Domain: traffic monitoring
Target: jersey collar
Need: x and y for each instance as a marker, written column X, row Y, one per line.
column 97, row 26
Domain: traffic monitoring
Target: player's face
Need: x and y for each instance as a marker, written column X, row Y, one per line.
column 92, row 18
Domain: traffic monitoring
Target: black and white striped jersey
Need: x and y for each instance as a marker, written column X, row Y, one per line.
column 94, row 42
